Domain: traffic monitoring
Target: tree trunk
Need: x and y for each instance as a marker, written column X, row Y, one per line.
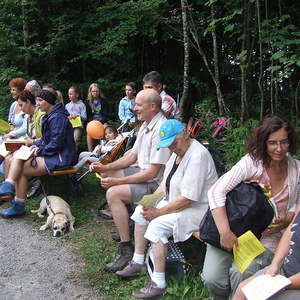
column 271, row 90
column 221, row 102
column 243, row 64
column 260, row 85
column 296, row 100
column 25, row 36
column 184, row 98
column 196, row 44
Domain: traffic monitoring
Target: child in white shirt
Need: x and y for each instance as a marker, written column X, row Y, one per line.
column 106, row 145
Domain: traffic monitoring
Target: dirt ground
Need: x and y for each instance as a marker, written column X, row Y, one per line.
column 34, row 266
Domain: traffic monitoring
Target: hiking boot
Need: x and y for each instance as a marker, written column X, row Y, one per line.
column 7, row 191
column 35, row 185
column 149, row 291
column 123, row 257
column 105, row 214
column 133, row 269
column 116, row 237
column 17, row 209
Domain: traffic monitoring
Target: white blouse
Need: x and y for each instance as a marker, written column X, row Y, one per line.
column 194, row 176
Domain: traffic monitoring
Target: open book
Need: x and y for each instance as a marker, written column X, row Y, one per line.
column 13, row 145
column 264, row 286
column 24, row 153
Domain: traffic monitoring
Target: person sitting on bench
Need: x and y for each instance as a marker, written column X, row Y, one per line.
column 55, row 150
column 285, row 262
column 126, row 184
column 189, row 174
column 104, row 146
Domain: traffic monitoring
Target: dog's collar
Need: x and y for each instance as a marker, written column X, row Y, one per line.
column 59, row 213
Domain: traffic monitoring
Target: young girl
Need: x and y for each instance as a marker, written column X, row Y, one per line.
column 98, row 108
column 104, row 146
column 76, row 108
column 126, row 106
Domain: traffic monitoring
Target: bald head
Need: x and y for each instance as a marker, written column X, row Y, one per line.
column 150, row 96
column 147, row 104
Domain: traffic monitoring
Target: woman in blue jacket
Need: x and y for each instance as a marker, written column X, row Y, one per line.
column 55, row 150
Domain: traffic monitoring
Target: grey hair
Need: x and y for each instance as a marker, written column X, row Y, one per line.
column 34, row 87
column 183, row 135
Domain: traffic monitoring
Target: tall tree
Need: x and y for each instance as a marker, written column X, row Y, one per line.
column 186, row 46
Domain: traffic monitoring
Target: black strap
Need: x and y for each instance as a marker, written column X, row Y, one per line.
column 47, row 199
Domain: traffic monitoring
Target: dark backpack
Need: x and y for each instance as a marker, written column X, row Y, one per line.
column 247, row 209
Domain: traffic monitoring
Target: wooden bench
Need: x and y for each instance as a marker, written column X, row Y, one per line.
column 74, row 189
column 68, row 171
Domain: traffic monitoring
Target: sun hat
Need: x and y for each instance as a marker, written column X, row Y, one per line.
column 168, row 131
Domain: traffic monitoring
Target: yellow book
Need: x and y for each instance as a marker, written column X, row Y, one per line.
column 249, row 248
column 76, row 122
column 4, row 126
column 98, row 175
column 151, row 199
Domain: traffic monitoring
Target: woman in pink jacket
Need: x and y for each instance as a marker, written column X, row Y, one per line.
column 268, row 162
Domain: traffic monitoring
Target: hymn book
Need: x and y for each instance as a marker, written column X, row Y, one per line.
column 151, row 200
column 264, row 286
column 13, row 144
column 24, row 153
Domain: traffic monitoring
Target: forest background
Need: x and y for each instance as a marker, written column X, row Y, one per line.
column 238, row 58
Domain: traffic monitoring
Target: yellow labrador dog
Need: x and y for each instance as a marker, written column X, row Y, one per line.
column 59, row 215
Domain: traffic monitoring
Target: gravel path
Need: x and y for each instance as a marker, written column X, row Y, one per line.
column 37, row 267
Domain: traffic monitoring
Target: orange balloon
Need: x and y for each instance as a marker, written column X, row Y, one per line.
column 95, row 129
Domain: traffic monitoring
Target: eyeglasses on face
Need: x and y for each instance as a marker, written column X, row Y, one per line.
column 282, row 143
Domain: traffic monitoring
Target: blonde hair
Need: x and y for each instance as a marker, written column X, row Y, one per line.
column 90, row 97
column 60, row 97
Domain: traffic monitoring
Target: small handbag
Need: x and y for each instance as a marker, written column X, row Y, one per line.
column 247, row 209
column 176, row 264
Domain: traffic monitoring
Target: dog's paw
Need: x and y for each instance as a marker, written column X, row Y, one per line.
column 71, row 228
column 43, row 227
column 34, row 211
column 40, row 216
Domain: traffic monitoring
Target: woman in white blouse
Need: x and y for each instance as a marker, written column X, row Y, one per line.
column 16, row 117
column 189, row 173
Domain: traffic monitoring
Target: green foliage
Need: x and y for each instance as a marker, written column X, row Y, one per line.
column 234, row 145
column 113, row 42
column 282, row 38
column 5, row 75
column 189, row 288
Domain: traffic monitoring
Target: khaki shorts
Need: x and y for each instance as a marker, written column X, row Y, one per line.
column 138, row 190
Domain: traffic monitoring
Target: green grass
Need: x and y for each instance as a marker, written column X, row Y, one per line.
column 94, row 247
